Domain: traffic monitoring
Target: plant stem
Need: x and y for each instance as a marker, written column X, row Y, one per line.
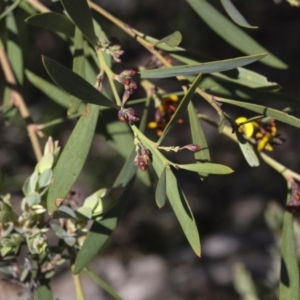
column 39, row 6
column 78, row 286
column 109, row 74
column 151, row 49
column 19, row 102
column 57, row 121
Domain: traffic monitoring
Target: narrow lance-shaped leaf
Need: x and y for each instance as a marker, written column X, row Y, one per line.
column 249, row 79
column 247, row 150
column 14, row 51
column 231, row 33
column 198, row 137
column 289, row 273
column 181, row 107
column 50, row 90
column 106, row 287
column 266, row 111
column 172, row 40
column 78, row 68
column 53, row 21
column 245, row 77
column 80, row 13
column 101, row 230
column 72, row 158
column 204, row 68
column 235, row 15
column 175, row 195
column 161, row 189
column 74, row 84
column 209, row 168
column 9, row 9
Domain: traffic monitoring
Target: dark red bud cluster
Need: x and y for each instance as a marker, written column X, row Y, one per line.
column 127, row 114
column 129, row 84
column 142, row 160
column 293, row 206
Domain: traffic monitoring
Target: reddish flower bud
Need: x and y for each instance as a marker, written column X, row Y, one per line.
column 128, row 73
column 128, row 114
column 294, row 204
column 139, row 161
column 192, row 147
column 121, row 116
column 125, row 97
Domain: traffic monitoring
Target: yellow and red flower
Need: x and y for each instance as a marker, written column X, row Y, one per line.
column 264, row 133
column 164, row 111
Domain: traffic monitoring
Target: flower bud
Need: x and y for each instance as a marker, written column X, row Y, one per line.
column 192, row 147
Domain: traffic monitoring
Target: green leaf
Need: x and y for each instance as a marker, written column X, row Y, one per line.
column 45, row 178
column 106, row 287
column 172, row 40
column 43, row 292
column 231, row 33
column 80, row 13
column 198, row 137
column 266, row 111
column 235, row 15
column 33, row 179
column 64, row 212
column 45, row 163
column 243, row 282
column 53, row 21
column 74, row 84
column 78, row 68
column 175, row 195
column 204, row 68
column 9, row 9
column 182, row 211
column 33, row 198
column 85, row 211
column 59, row 232
column 101, row 230
column 209, row 168
column 8, row 216
column 70, row 240
column 181, row 107
column 161, row 189
column 289, row 288
column 72, row 158
column 14, row 51
column 50, row 90
column 248, row 78
column 240, row 75
column 247, row 150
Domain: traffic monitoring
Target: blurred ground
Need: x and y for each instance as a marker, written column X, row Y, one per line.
column 148, row 257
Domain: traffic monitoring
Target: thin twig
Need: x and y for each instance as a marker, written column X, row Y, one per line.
column 39, row 6
column 78, row 286
column 151, row 49
column 19, row 102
